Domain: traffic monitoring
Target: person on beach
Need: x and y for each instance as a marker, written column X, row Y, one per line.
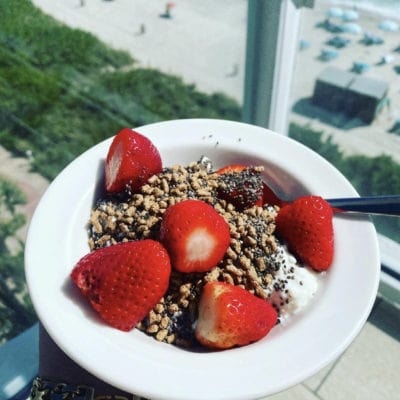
column 142, row 30
column 167, row 13
column 235, row 70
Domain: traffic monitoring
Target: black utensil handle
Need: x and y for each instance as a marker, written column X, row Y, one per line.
column 388, row 205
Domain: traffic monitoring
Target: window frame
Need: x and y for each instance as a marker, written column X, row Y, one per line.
column 270, row 64
column 272, row 42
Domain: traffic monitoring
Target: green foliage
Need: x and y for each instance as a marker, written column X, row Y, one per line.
column 313, row 140
column 373, row 176
column 166, row 96
column 370, row 176
column 25, row 29
column 62, row 90
column 16, row 312
column 10, row 195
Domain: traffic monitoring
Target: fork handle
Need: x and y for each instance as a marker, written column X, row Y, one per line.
column 387, row 205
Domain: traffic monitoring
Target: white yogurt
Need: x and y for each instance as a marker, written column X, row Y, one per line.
column 293, row 285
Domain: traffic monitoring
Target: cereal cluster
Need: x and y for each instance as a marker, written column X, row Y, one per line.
column 249, row 261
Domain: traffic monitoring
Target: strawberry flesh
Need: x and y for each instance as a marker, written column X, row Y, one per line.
column 307, row 226
column 123, row 282
column 131, row 160
column 231, row 316
column 195, row 235
column 231, row 168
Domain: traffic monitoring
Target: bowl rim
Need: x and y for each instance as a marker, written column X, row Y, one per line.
column 225, row 135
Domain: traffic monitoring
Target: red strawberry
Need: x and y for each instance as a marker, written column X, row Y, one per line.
column 231, row 168
column 131, row 160
column 195, row 235
column 231, row 316
column 306, row 224
column 125, row 281
column 241, row 186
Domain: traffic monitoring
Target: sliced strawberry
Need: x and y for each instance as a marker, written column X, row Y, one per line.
column 125, row 281
column 195, row 235
column 131, row 160
column 240, row 185
column 231, row 316
column 232, row 168
column 306, row 225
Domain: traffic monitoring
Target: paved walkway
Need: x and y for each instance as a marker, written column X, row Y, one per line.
column 33, row 185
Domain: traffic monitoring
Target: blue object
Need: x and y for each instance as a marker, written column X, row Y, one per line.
column 19, row 364
column 350, row 15
column 350, row 27
column 334, row 12
column 370, row 39
column 304, row 44
column 327, row 55
column 339, row 42
column 360, row 67
column 388, row 26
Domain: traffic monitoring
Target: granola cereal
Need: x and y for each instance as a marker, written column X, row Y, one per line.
column 254, row 260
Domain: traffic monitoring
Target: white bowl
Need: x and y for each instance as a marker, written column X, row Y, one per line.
column 139, row 364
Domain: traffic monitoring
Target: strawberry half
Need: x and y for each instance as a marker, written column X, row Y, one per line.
column 231, row 168
column 195, row 235
column 231, row 316
column 246, row 192
column 240, row 185
column 307, row 226
column 131, row 160
column 125, row 281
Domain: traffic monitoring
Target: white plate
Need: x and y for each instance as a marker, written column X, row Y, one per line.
column 136, row 363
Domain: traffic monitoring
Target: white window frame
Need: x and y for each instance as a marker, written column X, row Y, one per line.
column 271, row 48
column 272, row 39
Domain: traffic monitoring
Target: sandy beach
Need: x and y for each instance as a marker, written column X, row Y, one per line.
column 204, row 43
column 353, row 138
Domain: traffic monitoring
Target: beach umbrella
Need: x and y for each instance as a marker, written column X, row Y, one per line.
column 388, row 25
column 334, row 12
column 304, row 44
column 327, row 55
column 387, row 58
column 338, row 42
column 370, row 39
column 350, row 15
column 350, row 27
column 360, row 67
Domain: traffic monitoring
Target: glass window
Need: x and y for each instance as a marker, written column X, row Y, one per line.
column 73, row 72
column 345, row 98
column 108, row 64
